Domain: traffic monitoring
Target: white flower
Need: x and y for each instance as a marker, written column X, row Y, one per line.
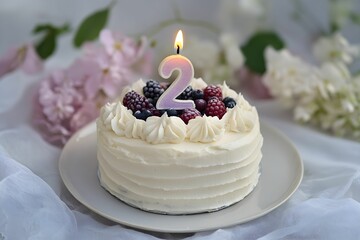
column 233, row 55
column 335, row 49
column 202, row 53
column 288, row 77
column 244, row 17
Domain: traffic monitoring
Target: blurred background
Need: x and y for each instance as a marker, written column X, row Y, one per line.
column 18, row 18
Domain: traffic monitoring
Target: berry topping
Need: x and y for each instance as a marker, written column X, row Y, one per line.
column 189, row 114
column 172, row 112
column 186, row 94
column 200, row 104
column 135, row 101
column 153, row 90
column 157, row 112
column 229, row 102
column 215, row 108
column 212, row 91
column 143, row 115
column 197, row 94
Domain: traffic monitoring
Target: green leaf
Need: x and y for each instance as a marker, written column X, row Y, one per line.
column 355, row 18
column 91, row 26
column 46, row 47
column 254, row 49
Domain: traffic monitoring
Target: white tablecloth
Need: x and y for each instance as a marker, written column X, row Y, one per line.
column 32, row 196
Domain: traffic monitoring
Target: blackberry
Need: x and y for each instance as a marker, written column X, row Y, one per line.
column 153, row 90
column 135, row 101
column 229, row 102
column 186, row 94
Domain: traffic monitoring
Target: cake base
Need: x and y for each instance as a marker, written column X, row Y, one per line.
column 123, row 199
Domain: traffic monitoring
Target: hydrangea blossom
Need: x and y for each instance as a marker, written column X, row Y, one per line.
column 335, row 49
column 69, row 99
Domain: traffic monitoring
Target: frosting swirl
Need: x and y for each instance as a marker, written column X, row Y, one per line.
column 228, row 92
column 134, row 128
column 205, row 129
column 175, row 130
column 198, row 83
column 107, row 114
column 239, row 119
column 122, row 116
column 154, row 129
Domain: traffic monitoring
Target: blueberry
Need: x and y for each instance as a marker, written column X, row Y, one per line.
column 197, row 94
column 172, row 112
column 229, row 102
column 143, row 115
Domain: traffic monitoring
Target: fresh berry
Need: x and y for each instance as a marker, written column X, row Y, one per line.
column 157, row 112
column 143, row 115
column 186, row 94
column 197, row 94
column 189, row 114
column 135, row 101
column 172, row 112
column 200, row 104
column 215, row 108
column 229, row 102
column 153, row 90
column 212, row 91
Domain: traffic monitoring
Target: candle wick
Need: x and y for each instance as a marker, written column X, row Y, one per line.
column 178, row 49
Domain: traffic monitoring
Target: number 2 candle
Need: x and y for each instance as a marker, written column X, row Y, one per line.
column 183, row 65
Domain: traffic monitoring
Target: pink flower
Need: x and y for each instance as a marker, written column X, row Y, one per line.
column 24, row 57
column 106, row 74
column 122, row 49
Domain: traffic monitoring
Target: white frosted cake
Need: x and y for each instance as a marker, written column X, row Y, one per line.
column 175, row 162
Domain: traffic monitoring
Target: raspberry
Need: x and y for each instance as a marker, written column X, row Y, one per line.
column 215, row 108
column 229, row 102
column 153, row 90
column 189, row 114
column 186, row 94
column 212, row 91
column 135, row 101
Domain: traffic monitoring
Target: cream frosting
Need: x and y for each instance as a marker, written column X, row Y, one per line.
column 121, row 117
column 198, row 83
column 205, row 129
column 164, row 165
column 228, row 92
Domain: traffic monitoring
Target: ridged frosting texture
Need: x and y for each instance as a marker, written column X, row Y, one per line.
column 163, row 165
column 205, row 129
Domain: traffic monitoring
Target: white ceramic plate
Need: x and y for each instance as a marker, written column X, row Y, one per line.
column 281, row 174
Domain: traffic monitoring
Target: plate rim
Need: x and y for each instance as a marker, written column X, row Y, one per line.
column 297, row 181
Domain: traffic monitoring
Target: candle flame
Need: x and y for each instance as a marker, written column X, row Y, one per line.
column 178, row 45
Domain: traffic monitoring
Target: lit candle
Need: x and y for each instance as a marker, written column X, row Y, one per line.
column 186, row 72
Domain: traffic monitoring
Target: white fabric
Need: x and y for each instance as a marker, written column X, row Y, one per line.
column 32, row 196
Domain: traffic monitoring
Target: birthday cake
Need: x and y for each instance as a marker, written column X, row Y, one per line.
column 179, row 161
